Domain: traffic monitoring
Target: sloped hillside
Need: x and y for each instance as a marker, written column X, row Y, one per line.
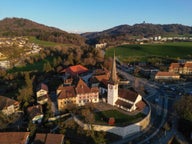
column 10, row 27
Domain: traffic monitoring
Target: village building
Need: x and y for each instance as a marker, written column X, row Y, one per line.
column 35, row 113
column 181, row 68
column 100, row 79
column 167, row 76
column 14, row 137
column 79, row 93
column 66, row 96
column 125, row 99
column 75, row 70
column 8, row 106
column 42, row 93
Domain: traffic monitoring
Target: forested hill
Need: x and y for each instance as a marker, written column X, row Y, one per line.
column 23, row 27
column 127, row 32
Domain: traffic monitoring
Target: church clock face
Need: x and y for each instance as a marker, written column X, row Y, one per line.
column 110, row 86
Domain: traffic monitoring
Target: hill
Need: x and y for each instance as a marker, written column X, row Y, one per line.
column 125, row 33
column 11, row 27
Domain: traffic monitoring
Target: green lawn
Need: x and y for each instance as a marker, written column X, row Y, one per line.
column 120, row 118
column 46, row 43
column 172, row 50
column 36, row 66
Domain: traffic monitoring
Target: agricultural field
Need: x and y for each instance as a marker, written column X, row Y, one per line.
column 172, row 50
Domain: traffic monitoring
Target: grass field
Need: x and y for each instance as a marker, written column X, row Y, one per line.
column 172, row 50
column 120, row 118
column 46, row 43
column 36, row 66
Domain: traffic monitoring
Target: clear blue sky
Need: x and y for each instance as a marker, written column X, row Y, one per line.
column 98, row 15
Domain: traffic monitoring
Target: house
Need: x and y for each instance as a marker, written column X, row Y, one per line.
column 75, row 70
column 48, row 139
column 66, row 96
column 8, row 106
column 35, row 113
column 187, row 68
column 176, row 68
column 181, row 68
column 42, row 93
column 14, row 137
column 167, row 76
column 78, row 94
column 128, row 100
column 86, row 94
column 99, row 79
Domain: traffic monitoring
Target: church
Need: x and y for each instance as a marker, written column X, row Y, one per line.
column 128, row 100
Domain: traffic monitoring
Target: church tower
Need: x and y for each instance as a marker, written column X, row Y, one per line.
column 112, row 93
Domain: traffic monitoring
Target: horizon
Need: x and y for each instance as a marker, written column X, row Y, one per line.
column 97, row 15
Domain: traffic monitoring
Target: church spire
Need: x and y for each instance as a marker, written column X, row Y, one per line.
column 113, row 77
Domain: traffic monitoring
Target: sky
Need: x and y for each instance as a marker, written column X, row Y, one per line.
column 98, row 15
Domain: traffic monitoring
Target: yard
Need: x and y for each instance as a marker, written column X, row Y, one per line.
column 121, row 119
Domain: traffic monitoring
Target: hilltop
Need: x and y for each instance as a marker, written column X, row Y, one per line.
column 11, row 27
column 126, row 33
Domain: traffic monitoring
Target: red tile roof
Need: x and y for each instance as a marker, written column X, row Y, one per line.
column 174, row 65
column 67, row 92
column 13, row 137
column 188, row 64
column 54, row 139
column 48, row 139
column 102, row 77
column 74, row 70
column 128, row 94
column 94, row 89
column 166, row 74
column 39, row 138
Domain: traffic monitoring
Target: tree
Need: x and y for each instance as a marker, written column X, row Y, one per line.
column 184, row 107
column 47, row 67
column 89, row 117
column 25, row 96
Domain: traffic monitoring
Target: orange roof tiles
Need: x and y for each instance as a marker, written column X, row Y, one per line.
column 174, row 65
column 166, row 74
column 74, row 70
column 39, row 138
column 48, row 139
column 188, row 64
column 54, row 139
column 13, row 137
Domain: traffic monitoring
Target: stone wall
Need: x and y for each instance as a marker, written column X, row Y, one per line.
column 121, row 131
